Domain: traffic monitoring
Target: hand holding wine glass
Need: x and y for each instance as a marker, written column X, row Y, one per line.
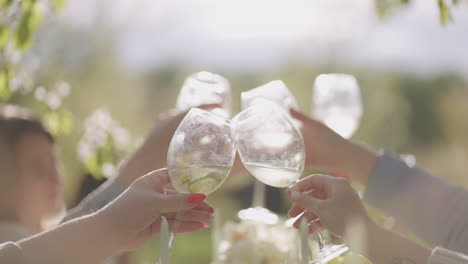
column 269, row 145
column 201, row 154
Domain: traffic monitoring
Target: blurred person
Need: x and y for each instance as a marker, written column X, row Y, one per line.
column 427, row 205
column 30, row 180
column 339, row 209
column 31, row 183
column 124, row 224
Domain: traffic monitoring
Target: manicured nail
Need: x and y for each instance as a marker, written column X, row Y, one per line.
column 196, row 198
column 296, row 195
column 211, row 210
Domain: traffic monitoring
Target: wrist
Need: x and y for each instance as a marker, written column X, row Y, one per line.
column 361, row 236
column 358, row 162
column 109, row 229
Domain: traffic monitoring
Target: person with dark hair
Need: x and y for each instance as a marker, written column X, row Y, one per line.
column 30, row 179
column 31, row 182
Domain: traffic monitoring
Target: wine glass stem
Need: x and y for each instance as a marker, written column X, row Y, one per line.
column 258, row 194
column 320, row 240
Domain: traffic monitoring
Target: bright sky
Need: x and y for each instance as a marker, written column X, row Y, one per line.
column 255, row 35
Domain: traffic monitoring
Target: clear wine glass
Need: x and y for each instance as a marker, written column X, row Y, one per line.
column 337, row 103
column 206, row 88
column 273, row 151
column 201, row 153
column 276, row 92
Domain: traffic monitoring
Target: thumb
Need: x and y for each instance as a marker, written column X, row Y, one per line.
column 181, row 202
column 307, row 202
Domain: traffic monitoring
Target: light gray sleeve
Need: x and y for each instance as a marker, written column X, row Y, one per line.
column 11, row 253
column 430, row 207
column 444, row 256
column 95, row 200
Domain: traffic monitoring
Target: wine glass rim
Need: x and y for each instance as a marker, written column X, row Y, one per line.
column 217, row 82
column 262, row 93
column 207, row 114
column 273, row 106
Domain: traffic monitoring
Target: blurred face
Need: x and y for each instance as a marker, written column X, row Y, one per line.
column 40, row 182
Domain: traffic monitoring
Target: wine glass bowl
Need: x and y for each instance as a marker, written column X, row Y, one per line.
column 337, row 102
column 205, row 88
column 201, row 152
column 269, row 145
column 275, row 91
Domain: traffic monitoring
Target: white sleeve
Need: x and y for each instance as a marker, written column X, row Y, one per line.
column 11, row 253
column 444, row 256
column 429, row 206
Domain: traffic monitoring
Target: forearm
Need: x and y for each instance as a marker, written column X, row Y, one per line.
column 358, row 162
column 138, row 164
column 386, row 247
column 84, row 240
column 427, row 205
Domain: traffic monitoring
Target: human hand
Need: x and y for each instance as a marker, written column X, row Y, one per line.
column 329, row 203
column 135, row 216
column 326, row 150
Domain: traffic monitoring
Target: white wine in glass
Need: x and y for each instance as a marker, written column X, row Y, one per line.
column 201, row 154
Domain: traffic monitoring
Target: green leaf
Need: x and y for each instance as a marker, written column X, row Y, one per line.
column 93, row 166
column 52, row 121
column 5, row 93
column 30, row 21
column 66, row 121
column 5, row 3
column 23, row 34
column 58, row 4
column 27, row 4
column 445, row 15
column 4, row 36
column 37, row 16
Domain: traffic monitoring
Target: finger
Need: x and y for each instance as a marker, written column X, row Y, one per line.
column 158, row 180
column 191, row 215
column 319, row 182
column 204, row 206
column 186, row 226
column 178, row 226
column 295, row 211
column 309, row 217
column 315, row 226
column 180, row 202
column 306, row 202
column 297, row 223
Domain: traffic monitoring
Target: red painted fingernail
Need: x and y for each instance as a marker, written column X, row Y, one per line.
column 196, row 198
column 211, row 209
